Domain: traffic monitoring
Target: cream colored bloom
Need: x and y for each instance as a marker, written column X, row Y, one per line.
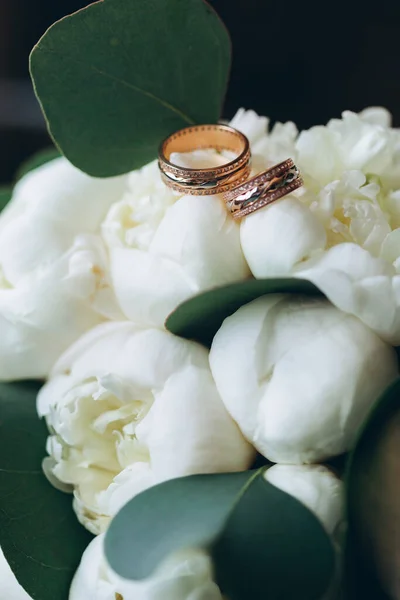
column 299, row 376
column 129, row 407
column 53, row 266
column 351, row 198
column 354, row 142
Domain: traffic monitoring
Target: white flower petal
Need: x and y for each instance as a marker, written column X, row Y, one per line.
column 53, row 268
column 360, row 285
column 363, row 145
column 129, row 407
column 88, row 583
column 237, row 371
column 154, row 288
column 316, row 487
column 146, row 358
column 48, row 311
column 195, row 247
column 198, row 233
column 188, row 437
column 318, row 154
column 279, row 236
column 390, row 249
column 251, row 124
column 277, row 362
column 128, row 483
column 376, row 115
column 392, row 205
column 37, row 325
column 277, row 146
column 61, row 191
column 10, row 588
column 353, row 142
column 59, row 202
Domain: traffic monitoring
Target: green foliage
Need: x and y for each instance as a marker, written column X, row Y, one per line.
column 113, row 80
column 118, row 76
column 373, row 492
column 200, row 317
column 265, row 544
column 39, row 532
column 5, row 196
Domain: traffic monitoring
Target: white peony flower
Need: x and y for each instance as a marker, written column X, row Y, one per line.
column 164, row 248
column 129, row 407
column 53, row 266
column 299, row 376
column 186, row 575
column 175, row 246
column 355, row 142
column 351, row 197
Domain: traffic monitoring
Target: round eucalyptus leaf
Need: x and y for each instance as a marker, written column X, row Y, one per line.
column 265, row 544
column 115, row 78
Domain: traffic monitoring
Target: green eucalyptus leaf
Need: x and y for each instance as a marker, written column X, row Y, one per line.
column 39, row 532
column 278, row 543
column 5, row 196
column 37, row 160
column 200, row 317
column 265, row 544
column 373, row 498
column 115, row 78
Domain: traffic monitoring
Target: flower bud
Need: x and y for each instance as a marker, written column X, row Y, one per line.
column 299, row 376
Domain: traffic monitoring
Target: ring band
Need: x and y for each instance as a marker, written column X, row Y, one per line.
column 214, row 180
column 263, row 189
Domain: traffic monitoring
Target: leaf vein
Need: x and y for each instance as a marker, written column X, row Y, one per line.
column 39, row 562
column 18, row 472
column 129, row 85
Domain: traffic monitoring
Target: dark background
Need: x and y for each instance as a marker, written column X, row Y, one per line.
column 300, row 61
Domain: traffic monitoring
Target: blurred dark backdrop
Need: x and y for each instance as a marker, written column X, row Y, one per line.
column 304, row 61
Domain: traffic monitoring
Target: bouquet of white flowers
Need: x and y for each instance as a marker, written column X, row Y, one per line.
column 200, row 390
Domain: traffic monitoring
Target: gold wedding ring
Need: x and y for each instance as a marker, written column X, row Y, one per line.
column 213, row 180
column 263, row 189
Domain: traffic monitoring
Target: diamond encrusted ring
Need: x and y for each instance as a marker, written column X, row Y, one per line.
column 261, row 190
column 213, row 180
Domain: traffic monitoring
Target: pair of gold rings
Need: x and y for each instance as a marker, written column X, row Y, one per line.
column 241, row 194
